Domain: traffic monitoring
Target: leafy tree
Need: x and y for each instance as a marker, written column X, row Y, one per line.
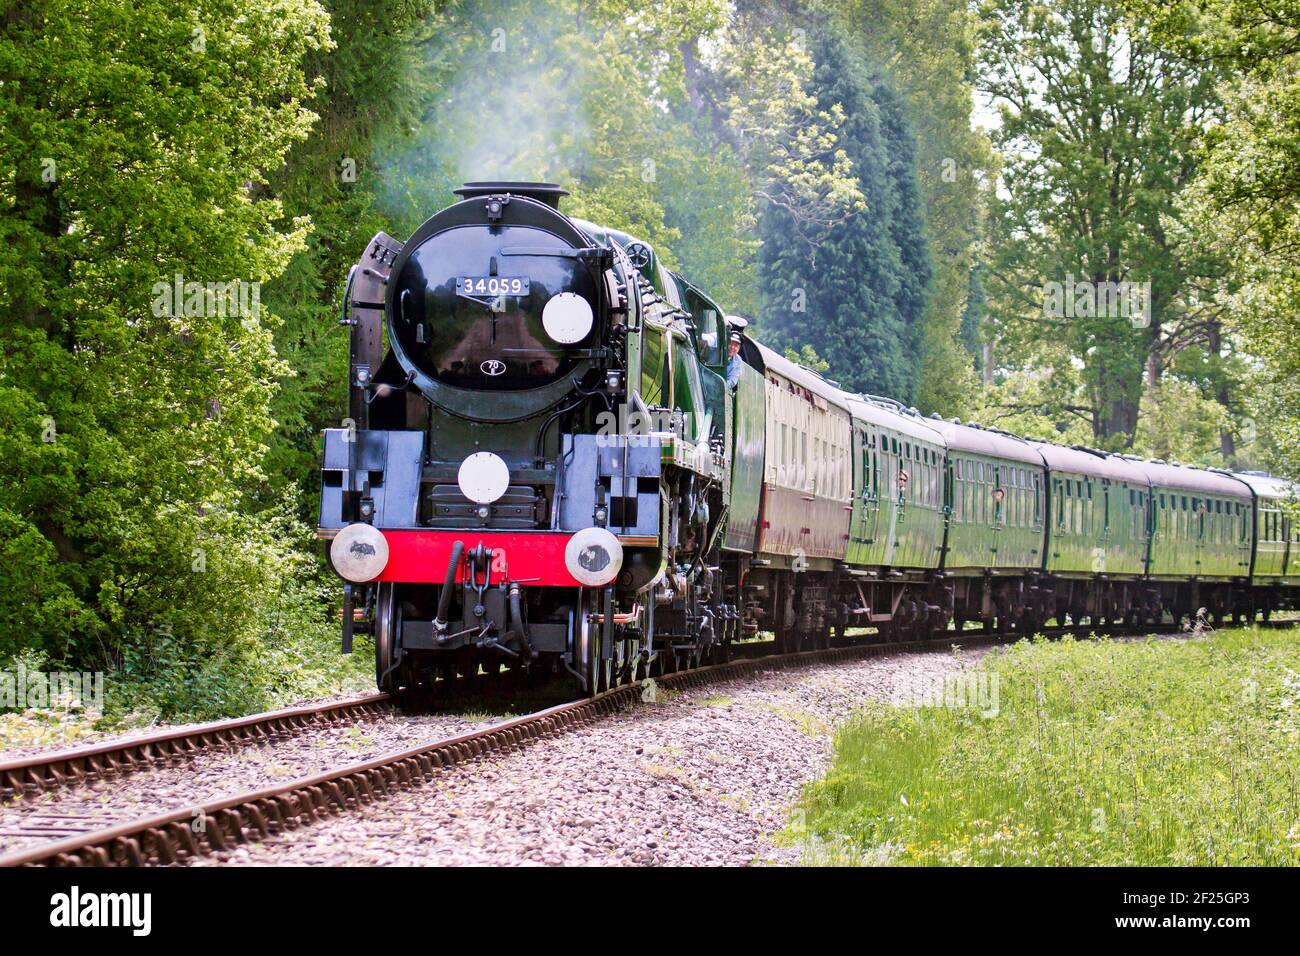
column 137, row 139
column 1035, row 403
column 1245, row 198
column 808, row 358
column 858, row 294
column 1099, row 128
column 927, row 50
column 372, row 84
column 1179, row 423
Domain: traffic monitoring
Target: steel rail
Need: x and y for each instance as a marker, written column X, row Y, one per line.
column 225, row 822
column 39, row 773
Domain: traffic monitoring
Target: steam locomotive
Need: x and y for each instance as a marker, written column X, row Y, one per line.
column 551, row 462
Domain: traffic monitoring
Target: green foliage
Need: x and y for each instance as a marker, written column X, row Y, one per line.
column 789, row 131
column 1091, row 753
column 808, row 358
column 858, row 293
column 927, row 49
column 295, row 656
column 1178, row 423
column 1243, row 203
column 139, row 139
column 1035, row 404
column 1098, row 130
column 331, row 177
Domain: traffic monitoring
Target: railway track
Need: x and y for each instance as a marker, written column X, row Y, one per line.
column 41, row 773
column 213, row 825
column 218, row 824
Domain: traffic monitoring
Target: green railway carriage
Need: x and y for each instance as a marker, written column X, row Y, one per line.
column 898, row 514
column 1275, row 559
column 1199, row 523
column 1096, row 506
column 995, row 503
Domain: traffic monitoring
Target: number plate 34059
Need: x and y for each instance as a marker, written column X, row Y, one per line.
column 491, row 285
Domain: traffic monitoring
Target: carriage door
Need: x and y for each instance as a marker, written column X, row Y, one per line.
column 1199, row 521
column 996, row 493
column 950, row 492
column 865, row 506
column 1103, row 539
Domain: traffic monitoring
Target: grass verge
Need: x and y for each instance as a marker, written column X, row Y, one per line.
column 1093, row 752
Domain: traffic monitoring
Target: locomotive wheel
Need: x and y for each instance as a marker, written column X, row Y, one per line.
column 387, row 653
column 586, row 647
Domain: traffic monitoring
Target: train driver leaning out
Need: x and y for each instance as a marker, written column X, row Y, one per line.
column 733, row 359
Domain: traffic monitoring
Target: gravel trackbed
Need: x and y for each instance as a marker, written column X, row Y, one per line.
column 700, row 777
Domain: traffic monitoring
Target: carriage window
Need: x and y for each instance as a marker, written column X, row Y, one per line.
column 804, row 458
column 783, row 453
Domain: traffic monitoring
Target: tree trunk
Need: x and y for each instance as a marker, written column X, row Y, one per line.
column 1119, row 392
column 1223, row 395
